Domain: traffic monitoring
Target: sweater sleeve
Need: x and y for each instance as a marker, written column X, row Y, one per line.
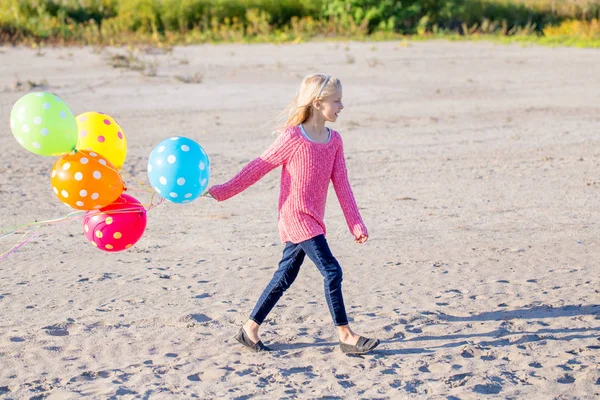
column 273, row 157
column 341, row 184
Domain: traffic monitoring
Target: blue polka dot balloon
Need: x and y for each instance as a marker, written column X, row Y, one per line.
column 179, row 169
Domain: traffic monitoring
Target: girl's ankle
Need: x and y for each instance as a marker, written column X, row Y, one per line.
column 345, row 335
column 251, row 326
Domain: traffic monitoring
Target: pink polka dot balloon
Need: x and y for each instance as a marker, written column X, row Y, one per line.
column 101, row 133
column 117, row 226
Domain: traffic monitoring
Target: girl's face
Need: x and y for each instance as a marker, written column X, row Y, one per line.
column 331, row 106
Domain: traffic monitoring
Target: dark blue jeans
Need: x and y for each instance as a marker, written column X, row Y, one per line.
column 318, row 251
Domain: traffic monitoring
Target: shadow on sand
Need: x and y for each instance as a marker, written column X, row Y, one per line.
column 527, row 313
column 501, row 337
column 505, row 337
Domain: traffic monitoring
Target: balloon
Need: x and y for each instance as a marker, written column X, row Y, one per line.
column 43, row 124
column 85, row 180
column 179, row 169
column 102, row 134
column 117, row 226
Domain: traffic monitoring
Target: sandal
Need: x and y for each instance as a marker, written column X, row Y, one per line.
column 364, row 345
column 243, row 338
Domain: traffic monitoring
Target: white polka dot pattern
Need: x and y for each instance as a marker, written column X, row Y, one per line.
column 43, row 124
column 179, row 167
column 74, row 180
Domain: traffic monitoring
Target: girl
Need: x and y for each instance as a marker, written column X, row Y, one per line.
column 311, row 155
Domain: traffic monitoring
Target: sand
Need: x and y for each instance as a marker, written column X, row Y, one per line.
column 476, row 170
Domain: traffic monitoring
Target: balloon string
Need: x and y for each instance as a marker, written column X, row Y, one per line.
column 33, row 225
column 27, row 229
column 20, row 243
column 160, row 201
column 146, row 188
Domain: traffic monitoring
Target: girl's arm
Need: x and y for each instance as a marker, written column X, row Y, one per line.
column 341, row 184
column 273, row 157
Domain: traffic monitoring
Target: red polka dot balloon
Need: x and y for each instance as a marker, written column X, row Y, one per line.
column 117, row 226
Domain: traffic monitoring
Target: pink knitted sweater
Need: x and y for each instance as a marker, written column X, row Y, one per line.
column 307, row 169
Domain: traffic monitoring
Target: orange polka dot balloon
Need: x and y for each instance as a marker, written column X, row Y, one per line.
column 86, row 180
column 100, row 133
column 117, row 226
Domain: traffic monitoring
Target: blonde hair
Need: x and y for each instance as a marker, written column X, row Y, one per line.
column 313, row 87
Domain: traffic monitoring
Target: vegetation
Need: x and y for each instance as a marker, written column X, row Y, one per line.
column 115, row 22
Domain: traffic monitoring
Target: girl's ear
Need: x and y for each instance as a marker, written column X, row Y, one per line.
column 316, row 104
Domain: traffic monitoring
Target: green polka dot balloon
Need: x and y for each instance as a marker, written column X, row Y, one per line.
column 44, row 124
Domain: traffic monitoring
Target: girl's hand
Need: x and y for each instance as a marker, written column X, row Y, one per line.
column 362, row 239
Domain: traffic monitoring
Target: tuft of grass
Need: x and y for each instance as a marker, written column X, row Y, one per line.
column 131, row 61
column 28, row 85
column 373, row 62
column 195, row 79
column 150, row 69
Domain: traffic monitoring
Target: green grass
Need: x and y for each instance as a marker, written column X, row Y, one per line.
column 171, row 22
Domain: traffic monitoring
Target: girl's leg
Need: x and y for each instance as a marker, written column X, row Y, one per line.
column 291, row 260
column 318, row 251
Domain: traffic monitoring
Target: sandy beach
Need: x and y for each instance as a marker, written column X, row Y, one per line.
column 476, row 168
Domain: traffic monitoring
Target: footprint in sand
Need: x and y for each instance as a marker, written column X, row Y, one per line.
column 412, row 386
column 468, row 353
column 490, row 388
column 62, row 329
column 193, row 378
column 566, row 379
column 458, row 379
column 307, row 371
column 396, row 384
column 200, row 318
column 424, row 368
column 413, row 329
column 244, row 372
column 191, row 320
